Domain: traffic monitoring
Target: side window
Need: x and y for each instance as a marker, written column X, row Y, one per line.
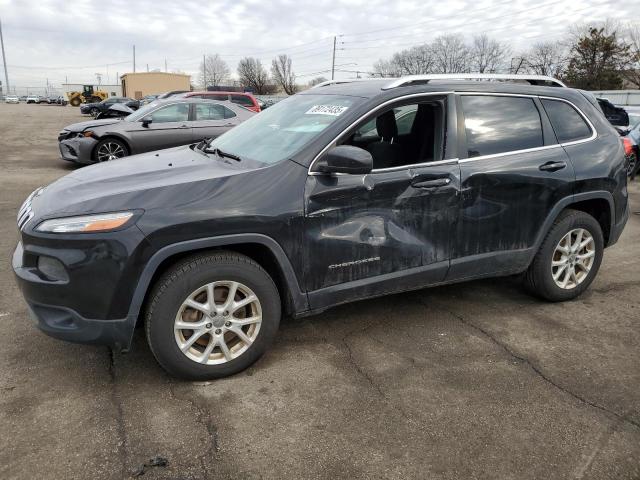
column 566, row 121
column 211, row 111
column 500, row 124
column 404, row 135
column 171, row 113
column 242, row 100
column 228, row 113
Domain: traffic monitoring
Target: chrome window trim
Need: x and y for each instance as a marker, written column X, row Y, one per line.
column 362, row 117
column 594, row 132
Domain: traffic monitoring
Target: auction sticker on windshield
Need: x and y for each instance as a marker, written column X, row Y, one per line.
column 335, row 110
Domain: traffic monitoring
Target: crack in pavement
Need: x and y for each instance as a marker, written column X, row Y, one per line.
column 203, row 417
column 368, row 377
column 117, row 403
column 624, row 418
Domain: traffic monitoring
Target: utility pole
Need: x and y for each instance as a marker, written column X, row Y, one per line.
column 134, row 59
column 165, row 65
column 333, row 61
column 147, row 68
column 4, row 60
column 204, row 71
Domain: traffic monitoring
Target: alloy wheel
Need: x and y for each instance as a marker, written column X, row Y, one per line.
column 110, row 151
column 218, row 322
column 631, row 165
column 573, row 258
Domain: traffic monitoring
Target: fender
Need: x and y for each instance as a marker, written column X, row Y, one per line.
column 299, row 299
column 567, row 202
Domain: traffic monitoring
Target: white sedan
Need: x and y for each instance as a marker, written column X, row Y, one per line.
column 11, row 99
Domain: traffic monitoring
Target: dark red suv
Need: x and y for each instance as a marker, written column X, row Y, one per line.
column 247, row 100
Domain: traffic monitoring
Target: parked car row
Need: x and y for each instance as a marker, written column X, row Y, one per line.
column 50, row 100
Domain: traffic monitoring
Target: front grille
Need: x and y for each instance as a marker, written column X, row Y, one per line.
column 26, row 212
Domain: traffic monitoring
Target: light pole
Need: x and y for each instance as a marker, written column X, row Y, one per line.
column 4, row 60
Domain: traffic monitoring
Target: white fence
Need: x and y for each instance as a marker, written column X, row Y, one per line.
column 620, row 97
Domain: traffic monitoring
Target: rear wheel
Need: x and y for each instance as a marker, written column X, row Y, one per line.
column 110, row 149
column 212, row 315
column 632, row 165
column 75, row 101
column 568, row 259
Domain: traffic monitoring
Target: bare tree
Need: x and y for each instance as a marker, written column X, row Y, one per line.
column 315, row 81
column 213, row 71
column 546, row 58
column 451, row 54
column 283, row 75
column 415, row 60
column 253, row 75
column 487, row 55
column 632, row 37
column 385, row 68
column 412, row 61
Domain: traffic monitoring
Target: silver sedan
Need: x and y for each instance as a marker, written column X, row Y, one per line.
column 158, row 125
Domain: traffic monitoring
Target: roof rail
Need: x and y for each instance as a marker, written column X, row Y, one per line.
column 532, row 79
column 346, row 80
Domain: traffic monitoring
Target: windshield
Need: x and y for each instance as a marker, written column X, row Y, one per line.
column 285, row 128
column 141, row 112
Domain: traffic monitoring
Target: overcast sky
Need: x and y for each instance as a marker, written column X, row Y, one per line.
column 54, row 39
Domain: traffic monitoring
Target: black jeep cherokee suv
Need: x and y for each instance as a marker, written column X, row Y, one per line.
column 343, row 192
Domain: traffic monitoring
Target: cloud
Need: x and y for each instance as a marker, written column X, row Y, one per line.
column 58, row 39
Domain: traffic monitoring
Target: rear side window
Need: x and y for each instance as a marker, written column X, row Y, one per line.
column 500, row 124
column 566, row 121
column 243, row 100
column 212, row 111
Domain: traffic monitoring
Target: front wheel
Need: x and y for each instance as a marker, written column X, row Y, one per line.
column 568, row 259
column 212, row 315
column 109, row 149
column 94, row 112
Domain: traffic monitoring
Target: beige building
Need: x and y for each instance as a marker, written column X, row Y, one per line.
column 137, row 85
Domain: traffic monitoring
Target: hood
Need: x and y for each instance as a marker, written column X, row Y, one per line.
column 79, row 127
column 145, row 181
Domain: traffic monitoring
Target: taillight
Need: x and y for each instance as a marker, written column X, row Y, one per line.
column 628, row 146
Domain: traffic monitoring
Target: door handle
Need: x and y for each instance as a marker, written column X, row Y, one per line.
column 552, row 166
column 427, row 184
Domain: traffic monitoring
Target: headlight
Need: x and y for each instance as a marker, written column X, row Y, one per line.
column 86, row 133
column 103, row 222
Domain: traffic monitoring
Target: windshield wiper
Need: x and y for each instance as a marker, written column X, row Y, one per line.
column 220, row 153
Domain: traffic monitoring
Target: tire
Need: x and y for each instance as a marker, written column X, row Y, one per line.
column 632, row 166
column 94, row 112
column 539, row 278
column 109, row 149
column 75, row 102
column 183, row 281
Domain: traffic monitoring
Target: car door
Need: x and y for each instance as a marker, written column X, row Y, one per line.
column 513, row 175
column 210, row 120
column 169, row 127
column 384, row 231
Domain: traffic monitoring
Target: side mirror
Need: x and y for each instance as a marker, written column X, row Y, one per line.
column 346, row 159
column 146, row 121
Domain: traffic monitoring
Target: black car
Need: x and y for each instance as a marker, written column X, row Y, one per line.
column 304, row 207
column 95, row 109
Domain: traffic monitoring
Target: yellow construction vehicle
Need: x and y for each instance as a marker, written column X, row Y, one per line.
column 87, row 95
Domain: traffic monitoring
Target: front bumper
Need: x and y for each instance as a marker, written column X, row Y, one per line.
column 77, row 149
column 90, row 302
column 68, row 325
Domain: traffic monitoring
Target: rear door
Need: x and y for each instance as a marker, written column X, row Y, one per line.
column 211, row 120
column 169, row 127
column 513, row 175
